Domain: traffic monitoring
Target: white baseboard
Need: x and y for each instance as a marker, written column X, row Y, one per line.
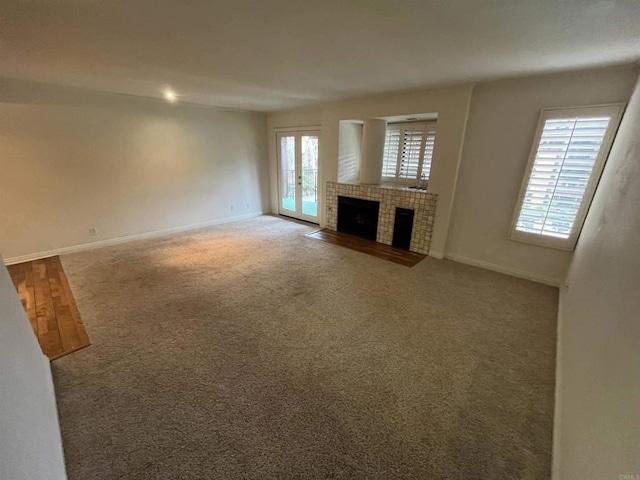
column 435, row 254
column 128, row 238
column 557, row 411
column 501, row 269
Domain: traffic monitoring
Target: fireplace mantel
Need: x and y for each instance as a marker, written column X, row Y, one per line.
column 390, row 197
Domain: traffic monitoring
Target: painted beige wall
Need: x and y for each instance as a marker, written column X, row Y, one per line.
column 597, row 431
column 73, row 159
column 500, row 131
column 451, row 104
column 30, row 443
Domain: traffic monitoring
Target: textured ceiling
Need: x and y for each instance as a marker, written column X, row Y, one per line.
column 269, row 54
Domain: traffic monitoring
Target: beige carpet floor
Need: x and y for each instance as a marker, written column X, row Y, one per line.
column 249, row 351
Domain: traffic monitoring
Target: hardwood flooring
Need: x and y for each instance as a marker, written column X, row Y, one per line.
column 380, row 250
column 46, row 296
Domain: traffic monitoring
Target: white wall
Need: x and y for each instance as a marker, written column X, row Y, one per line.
column 500, row 131
column 73, row 159
column 350, row 148
column 450, row 104
column 597, row 423
column 30, row 443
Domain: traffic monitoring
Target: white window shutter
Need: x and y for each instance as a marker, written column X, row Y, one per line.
column 391, row 150
column 565, row 166
column 428, row 154
column 411, row 149
column 408, row 152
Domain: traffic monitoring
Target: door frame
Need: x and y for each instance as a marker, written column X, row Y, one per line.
column 297, row 132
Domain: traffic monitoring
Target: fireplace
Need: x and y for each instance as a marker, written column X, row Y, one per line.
column 390, row 222
column 358, row 217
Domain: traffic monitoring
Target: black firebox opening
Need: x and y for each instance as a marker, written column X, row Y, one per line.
column 358, row 217
column 402, row 228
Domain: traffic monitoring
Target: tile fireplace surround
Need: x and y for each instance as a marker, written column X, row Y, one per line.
column 390, row 197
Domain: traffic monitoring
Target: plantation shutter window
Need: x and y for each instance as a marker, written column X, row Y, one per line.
column 569, row 152
column 391, row 150
column 428, row 153
column 411, row 149
column 408, row 152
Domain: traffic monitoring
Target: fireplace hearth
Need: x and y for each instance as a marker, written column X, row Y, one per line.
column 358, row 217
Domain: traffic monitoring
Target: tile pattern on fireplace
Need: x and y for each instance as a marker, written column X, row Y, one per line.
column 423, row 203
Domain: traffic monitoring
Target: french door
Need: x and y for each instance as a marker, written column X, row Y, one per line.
column 298, row 174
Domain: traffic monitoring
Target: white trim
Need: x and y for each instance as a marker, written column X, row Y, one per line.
column 128, row 238
column 304, row 128
column 557, row 417
column 501, row 269
column 434, row 254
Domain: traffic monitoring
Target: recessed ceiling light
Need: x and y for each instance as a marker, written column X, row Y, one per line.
column 169, row 95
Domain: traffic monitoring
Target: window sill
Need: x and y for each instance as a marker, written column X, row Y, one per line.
column 566, row 244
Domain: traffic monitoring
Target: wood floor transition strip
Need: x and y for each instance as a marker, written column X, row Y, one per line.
column 380, row 250
column 53, row 313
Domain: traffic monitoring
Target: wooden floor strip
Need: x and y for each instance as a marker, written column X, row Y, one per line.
column 380, row 250
column 30, row 297
column 48, row 333
column 52, row 311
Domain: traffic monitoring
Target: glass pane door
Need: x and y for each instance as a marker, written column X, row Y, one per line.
column 298, row 174
column 288, row 184
column 309, row 152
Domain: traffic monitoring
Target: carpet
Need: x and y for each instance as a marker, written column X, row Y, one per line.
column 249, row 351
